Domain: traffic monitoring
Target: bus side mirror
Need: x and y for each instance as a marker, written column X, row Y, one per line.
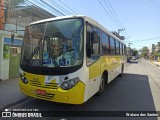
column 95, row 37
column 89, row 45
column 89, row 52
column 12, row 37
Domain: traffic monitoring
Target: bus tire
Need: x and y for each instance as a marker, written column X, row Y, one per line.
column 101, row 87
column 121, row 74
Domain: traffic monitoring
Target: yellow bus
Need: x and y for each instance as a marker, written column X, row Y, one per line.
column 69, row 59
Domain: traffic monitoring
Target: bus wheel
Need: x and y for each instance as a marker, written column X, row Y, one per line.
column 101, row 87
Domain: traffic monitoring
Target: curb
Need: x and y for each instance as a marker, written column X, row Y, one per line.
column 155, row 64
column 14, row 103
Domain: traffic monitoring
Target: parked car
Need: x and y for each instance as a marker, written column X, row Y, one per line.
column 133, row 57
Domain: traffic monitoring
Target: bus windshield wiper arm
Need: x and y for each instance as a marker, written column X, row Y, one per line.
column 33, row 55
column 54, row 62
column 30, row 58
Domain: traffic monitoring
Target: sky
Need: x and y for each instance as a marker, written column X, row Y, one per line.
column 140, row 18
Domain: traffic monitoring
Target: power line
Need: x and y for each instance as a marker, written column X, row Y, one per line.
column 117, row 17
column 139, row 45
column 60, row 7
column 155, row 4
column 57, row 9
column 37, row 6
column 48, row 9
column 144, row 40
column 71, row 6
column 113, row 15
column 67, row 7
column 108, row 13
column 51, row 7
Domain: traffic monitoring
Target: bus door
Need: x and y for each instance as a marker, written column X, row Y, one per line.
column 93, row 57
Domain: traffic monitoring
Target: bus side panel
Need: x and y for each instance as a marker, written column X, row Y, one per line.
column 105, row 65
column 111, row 64
column 94, row 70
column 94, row 78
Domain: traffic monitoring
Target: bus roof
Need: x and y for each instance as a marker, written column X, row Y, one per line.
column 57, row 18
column 86, row 18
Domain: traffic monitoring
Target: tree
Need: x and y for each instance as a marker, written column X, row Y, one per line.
column 10, row 5
column 13, row 3
column 145, row 52
column 134, row 52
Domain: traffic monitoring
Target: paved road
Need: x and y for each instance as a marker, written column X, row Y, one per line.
column 137, row 90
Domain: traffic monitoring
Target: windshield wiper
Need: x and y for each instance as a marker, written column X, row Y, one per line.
column 35, row 52
column 54, row 61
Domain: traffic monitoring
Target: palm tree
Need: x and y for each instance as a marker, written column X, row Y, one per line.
column 13, row 3
column 10, row 5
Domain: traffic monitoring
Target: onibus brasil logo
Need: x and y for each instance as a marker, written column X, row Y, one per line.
column 9, row 113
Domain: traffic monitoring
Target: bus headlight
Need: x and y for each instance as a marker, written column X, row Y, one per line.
column 70, row 83
column 24, row 79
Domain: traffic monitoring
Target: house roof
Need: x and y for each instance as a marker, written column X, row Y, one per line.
column 32, row 11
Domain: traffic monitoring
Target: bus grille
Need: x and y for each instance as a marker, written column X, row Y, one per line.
column 48, row 96
column 37, row 83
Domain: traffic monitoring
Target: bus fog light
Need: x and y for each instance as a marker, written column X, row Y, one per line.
column 24, row 80
column 70, row 83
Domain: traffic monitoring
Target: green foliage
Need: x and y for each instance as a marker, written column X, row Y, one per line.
column 10, row 5
column 134, row 52
column 145, row 51
column 157, row 54
column 13, row 3
column 144, row 54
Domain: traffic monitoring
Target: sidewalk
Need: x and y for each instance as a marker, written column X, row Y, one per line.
column 10, row 92
column 156, row 63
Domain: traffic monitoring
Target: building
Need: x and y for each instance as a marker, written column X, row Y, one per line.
column 156, row 54
column 10, row 52
column 9, row 55
column 152, row 49
column 2, row 20
column 129, row 53
column 157, row 47
column 23, row 15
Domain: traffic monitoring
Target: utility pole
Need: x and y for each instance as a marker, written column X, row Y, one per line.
column 129, row 44
column 16, row 21
column 129, row 52
column 120, row 30
column 130, row 48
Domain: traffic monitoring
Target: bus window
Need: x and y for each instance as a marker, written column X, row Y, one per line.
column 124, row 50
column 121, row 49
column 53, row 44
column 92, row 44
column 117, row 47
column 105, row 43
column 112, row 45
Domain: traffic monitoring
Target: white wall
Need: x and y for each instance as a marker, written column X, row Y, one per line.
column 4, row 63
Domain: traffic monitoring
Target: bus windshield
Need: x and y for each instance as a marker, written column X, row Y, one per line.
column 53, row 44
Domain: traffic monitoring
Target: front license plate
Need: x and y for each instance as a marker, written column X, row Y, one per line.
column 40, row 92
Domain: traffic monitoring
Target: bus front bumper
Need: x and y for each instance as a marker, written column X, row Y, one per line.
column 74, row 95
